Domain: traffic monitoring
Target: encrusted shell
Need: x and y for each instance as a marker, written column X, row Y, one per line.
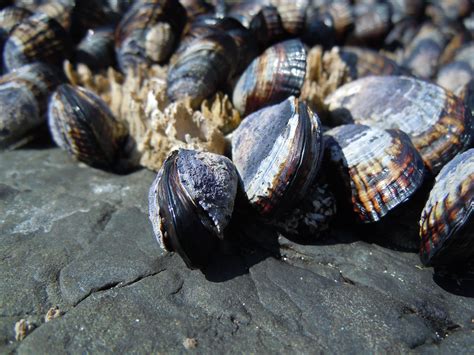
column 272, row 77
column 38, row 38
column 82, row 124
column 202, row 67
column 148, row 32
column 24, row 97
column 447, row 223
column 191, row 203
column 437, row 122
column 277, row 152
column 377, row 169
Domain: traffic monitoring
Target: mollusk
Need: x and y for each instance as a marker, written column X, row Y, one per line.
column 378, row 169
column 437, row 122
column 191, row 203
column 24, row 96
column 148, row 32
column 82, row 124
column 277, row 152
column 202, row 67
column 96, row 49
column 446, row 224
column 273, row 76
column 38, row 38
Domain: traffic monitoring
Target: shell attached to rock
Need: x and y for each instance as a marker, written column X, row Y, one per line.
column 377, row 169
column 83, row 125
column 447, row 221
column 437, row 122
column 191, row 203
column 277, row 152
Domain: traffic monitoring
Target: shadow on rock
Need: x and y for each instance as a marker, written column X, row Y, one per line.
column 458, row 282
column 248, row 243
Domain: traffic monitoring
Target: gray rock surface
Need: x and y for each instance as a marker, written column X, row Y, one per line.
column 79, row 239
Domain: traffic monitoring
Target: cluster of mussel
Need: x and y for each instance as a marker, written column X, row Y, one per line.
column 335, row 96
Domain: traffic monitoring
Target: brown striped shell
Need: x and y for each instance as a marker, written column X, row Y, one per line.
column 272, row 77
column 37, row 39
column 83, row 125
column 24, row 97
column 377, row 169
column 277, row 152
column 191, row 203
column 447, row 221
column 437, row 122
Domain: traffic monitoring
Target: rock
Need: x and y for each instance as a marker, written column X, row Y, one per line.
column 78, row 240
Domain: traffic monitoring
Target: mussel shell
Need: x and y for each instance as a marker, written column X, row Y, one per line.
column 277, row 152
column 10, row 17
column 82, row 124
column 437, row 122
column 422, row 55
column 267, row 26
column 191, row 202
column 272, row 77
column 97, row 13
column 293, row 14
column 202, row 67
column 195, row 8
column 454, row 76
column 24, row 96
column 447, row 221
column 364, row 62
column 96, row 49
column 378, row 169
column 61, row 11
column 37, row 39
column 148, row 32
column 371, row 22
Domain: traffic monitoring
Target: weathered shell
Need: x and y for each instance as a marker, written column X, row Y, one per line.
column 423, row 53
column 401, row 34
column 202, row 67
column 96, row 49
column 24, row 96
column 377, row 169
column 371, row 22
column 364, row 62
column 195, row 8
column 82, row 124
column 329, row 24
column 402, row 9
column 191, row 203
column 437, row 122
column 245, row 11
column 447, row 223
column 10, row 17
column 148, row 32
column 272, row 77
column 293, row 14
column 38, row 38
column 267, row 26
column 277, row 152
column 455, row 75
column 61, row 11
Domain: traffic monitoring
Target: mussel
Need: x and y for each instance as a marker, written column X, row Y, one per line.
column 202, row 67
column 96, row 49
column 37, row 39
column 148, row 32
column 272, row 77
column 437, row 122
column 277, row 151
column 191, row 203
column 24, row 97
column 374, row 170
column 447, row 221
column 83, row 125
